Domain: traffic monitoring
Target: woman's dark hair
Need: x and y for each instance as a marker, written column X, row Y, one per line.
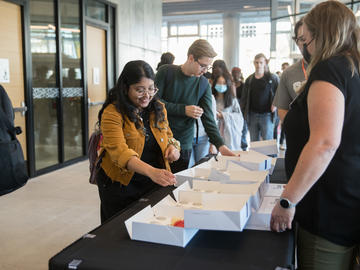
column 166, row 58
column 132, row 73
column 219, row 67
column 228, row 95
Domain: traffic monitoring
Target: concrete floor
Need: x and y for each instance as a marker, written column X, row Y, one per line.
column 47, row 214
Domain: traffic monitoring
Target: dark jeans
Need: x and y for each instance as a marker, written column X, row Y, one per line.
column 244, row 132
column 115, row 197
column 183, row 162
column 260, row 126
column 282, row 134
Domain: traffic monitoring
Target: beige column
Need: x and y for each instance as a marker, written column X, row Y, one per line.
column 231, row 26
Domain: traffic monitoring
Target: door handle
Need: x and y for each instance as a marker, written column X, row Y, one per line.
column 95, row 103
column 23, row 109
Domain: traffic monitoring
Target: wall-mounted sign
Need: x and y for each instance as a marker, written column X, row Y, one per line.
column 96, row 75
column 4, row 70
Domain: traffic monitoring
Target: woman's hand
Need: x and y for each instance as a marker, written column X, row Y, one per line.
column 212, row 149
column 225, row 151
column 171, row 153
column 219, row 115
column 281, row 218
column 162, row 177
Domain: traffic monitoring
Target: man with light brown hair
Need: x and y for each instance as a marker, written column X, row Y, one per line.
column 256, row 100
column 187, row 97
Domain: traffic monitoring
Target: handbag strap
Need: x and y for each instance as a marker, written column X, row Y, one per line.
column 10, row 127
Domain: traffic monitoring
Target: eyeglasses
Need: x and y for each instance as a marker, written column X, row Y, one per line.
column 299, row 39
column 302, row 40
column 203, row 66
column 141, row 91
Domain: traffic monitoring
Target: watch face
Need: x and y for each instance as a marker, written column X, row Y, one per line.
column 284, row 203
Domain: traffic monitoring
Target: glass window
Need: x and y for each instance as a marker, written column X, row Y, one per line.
column 286, row 49
column 306, row 5
column 96, row 10
column 212, row 31
column 284, row 8
column 356, row 9
column 45, row 91
column 255, row 28
column 72, row 92
column 184, row 29
column 183, row 34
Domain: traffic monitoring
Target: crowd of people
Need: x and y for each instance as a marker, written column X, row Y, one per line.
column 155, row 125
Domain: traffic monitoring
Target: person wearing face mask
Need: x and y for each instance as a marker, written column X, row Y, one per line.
column 230, row 119
column 322, row 159
column 292, row 78
column 257, row 98
column 138, row 143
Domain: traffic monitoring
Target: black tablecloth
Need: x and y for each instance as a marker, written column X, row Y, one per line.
column 111, row 248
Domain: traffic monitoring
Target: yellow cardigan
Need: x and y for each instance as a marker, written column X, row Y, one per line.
column 122, row 140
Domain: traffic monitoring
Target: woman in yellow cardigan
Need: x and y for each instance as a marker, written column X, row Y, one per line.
column 137, row 141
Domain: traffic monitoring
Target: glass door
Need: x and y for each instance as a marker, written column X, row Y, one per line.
column 45, row 86
column 57, row 88
column 72, row 90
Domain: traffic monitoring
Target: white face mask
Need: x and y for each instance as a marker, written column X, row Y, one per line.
column 221, row 88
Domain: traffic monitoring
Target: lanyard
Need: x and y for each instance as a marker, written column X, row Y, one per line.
column 303, row 69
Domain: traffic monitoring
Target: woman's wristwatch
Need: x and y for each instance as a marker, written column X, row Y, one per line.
column 175, row 143
column 286, row 203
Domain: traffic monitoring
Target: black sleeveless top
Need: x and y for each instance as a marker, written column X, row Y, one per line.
column 331, row 208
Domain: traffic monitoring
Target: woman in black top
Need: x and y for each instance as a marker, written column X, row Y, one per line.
column 323, row 144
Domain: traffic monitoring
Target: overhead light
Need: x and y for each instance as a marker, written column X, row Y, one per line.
column 248, row 6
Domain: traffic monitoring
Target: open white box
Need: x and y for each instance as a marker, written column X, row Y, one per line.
column 249, row 159
column 254, row 160
column 152, row 225
column 212, row 210
column 210, row 170
column 255, row 190
column 248, row 177
column 274, row 190
column 260, row 219
column 268, row 147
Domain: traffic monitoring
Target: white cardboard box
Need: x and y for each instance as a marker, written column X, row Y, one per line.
column 212, row 210
column 248, row 177
column 273, row 163
column 274, row 190
column 255, row 190
column 260, row 219
column 250, row 160
column 210, row 170
column 145, row 226
column 268, row 147
column 224, row 212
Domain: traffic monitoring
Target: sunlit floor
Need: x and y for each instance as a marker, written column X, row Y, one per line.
column 47, row 214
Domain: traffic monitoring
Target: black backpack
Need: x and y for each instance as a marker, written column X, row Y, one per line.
column 12, row 164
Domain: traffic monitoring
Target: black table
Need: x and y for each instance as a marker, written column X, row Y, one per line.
column 111, row 248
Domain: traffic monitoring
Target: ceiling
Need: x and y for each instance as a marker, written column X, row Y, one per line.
column 183, row 7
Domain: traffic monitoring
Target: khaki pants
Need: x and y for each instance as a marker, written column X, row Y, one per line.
column 317, row 253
